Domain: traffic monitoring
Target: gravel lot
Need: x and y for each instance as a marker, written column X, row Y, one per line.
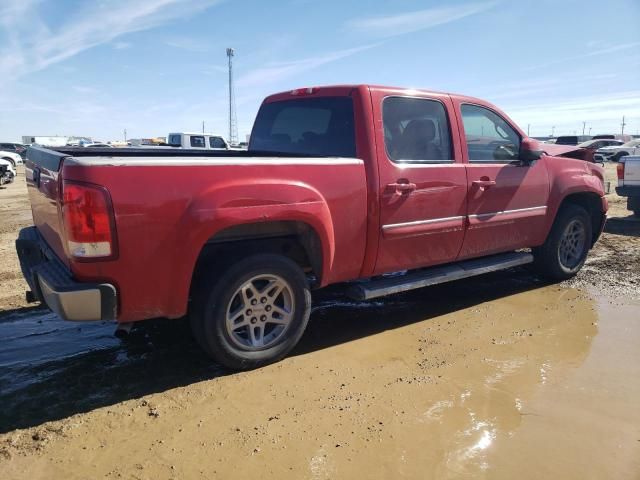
column 501, row 376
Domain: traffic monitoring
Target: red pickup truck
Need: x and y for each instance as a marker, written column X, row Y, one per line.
column 341, row 184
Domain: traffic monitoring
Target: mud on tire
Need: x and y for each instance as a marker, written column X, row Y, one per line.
column 252, row 312
column 564, row 252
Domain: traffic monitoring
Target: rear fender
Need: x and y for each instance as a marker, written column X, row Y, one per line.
column 237, row 203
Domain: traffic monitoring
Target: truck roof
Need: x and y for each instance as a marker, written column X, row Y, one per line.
column 344, row 89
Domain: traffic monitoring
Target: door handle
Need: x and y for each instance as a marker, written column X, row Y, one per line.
column 402, row 188
column 483, row 184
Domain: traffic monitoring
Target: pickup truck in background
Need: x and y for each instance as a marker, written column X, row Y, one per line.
column 629, row 182
column 197, row 140
column 340, row 185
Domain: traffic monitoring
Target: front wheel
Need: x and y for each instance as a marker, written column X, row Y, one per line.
column 564, row 252
column 253, row 313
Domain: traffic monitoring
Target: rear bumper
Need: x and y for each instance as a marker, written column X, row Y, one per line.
column 52, row 284
column 628, row 191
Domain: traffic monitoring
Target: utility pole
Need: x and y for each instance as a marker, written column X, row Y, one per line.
column 125, row 135
column 622, row 125
column 553, row 129
column 589, row 130
column 233, row 127
column 202, row 126
column 584, row 125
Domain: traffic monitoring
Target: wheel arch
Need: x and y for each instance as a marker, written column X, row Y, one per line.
column 592, row 203
column 293, row 239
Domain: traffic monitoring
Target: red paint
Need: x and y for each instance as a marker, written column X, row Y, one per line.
column 371, row 215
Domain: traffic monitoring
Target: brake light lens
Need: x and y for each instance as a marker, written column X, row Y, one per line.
column 620, row 171
column 304, row 91
column 88, row 221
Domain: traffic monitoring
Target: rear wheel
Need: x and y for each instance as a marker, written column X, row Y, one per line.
column 564, row 252
column 253, row 313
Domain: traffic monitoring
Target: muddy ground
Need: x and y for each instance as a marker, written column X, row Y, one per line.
column 502, row 376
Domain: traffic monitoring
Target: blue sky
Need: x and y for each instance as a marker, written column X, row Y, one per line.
column 72, row 67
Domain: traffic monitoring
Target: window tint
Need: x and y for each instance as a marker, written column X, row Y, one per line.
column 416, row 129
column 197, row 141
column 489, row 137
column 216, row 142
column 306, row 126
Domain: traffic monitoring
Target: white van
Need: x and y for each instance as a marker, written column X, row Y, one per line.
column 208, row 141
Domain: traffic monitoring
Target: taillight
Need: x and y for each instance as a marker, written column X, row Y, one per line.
column 620, row 171
column 88, row 221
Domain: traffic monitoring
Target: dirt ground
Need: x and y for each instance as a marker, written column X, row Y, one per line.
column 502, row 376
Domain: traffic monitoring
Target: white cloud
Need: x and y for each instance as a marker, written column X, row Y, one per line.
column 602, row 51
column 391, row 25
column 188, row 44
column 32, row 45
column 121, row 45
column 276, row 72
column 603, row 111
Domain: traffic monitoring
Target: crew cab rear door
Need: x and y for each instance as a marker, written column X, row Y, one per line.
column 507, row 198
column 422, row 180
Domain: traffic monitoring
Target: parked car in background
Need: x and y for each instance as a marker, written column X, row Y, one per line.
column 97, row 145
column 340, row 185
column 592, row 145
column 18, row 148
column 613, row 136
column 571, row 139
column 615, row 153
column 11, row 157
column 207, row 141
column 7, row 172
column 629, row 182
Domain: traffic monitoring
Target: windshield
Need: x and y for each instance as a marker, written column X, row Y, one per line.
column 321, row 126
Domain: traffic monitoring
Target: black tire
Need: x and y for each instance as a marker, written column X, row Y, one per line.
column 548, row 257
column 216, row 294
column 11, row 161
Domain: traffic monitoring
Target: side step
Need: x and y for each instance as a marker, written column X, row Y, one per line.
column 435, row 275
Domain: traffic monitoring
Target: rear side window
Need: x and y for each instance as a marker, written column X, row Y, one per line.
column 175, row 139
column 321, row 126
column 489, row 137
column 197, row 141
column 416, row 130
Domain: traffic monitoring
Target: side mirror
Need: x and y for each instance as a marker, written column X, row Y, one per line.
column 530, row 150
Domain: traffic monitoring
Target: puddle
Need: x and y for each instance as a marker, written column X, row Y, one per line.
column 498, row 377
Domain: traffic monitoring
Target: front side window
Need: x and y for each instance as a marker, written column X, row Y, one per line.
column 197, row 141
column 416, row 130
column 216, row 142
column 489, row 137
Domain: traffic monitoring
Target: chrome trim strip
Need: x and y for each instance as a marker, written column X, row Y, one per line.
column 507, row 212
column 391, row 226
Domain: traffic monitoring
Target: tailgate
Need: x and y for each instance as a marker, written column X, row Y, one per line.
column 41, row 171
column 631, row 170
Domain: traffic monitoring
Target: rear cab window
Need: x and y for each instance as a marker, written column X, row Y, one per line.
column 320, row 126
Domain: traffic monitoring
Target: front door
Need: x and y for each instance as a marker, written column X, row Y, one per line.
column 507, row 199
column 422, row 182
